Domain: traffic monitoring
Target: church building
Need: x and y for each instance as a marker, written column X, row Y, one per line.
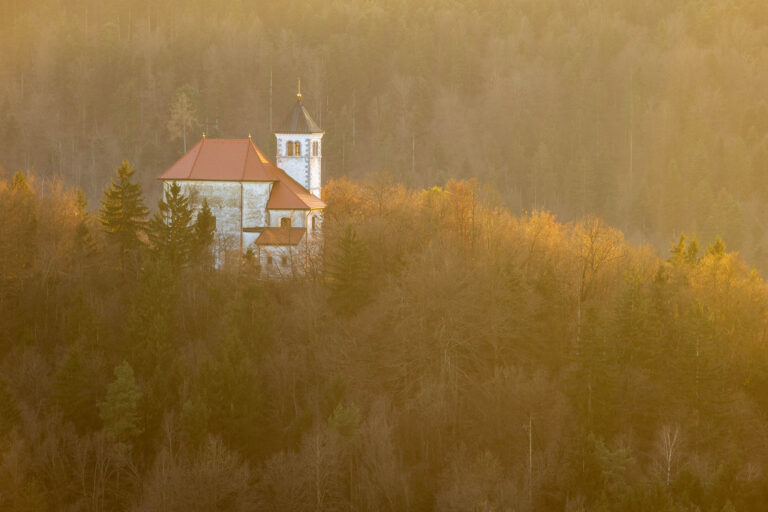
column 273, row 212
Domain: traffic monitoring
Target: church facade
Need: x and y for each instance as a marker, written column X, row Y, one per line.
column 270, row 211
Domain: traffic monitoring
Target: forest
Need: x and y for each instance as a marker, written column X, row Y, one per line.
column 543, row 246
column 650, row 114
column 452, row 356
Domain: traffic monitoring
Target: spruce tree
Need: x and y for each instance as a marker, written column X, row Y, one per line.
column 123, row 213
column 229, row 387
column 686, row 251
column 9, row 411
column 594, row 376
column 19, row 182
column 349, row 274
column 84, row 244
column 205, row 227
column 76, row 386
column 171, row 231
column 119, row 411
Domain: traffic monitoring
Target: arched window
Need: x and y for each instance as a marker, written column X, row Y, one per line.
column 315, row 148
column 297, row 148
column 289, row 148
column 314, row 223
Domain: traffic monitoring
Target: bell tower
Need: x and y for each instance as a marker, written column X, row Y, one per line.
column 299, row 147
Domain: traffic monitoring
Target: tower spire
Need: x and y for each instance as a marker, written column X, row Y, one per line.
column 298, row 93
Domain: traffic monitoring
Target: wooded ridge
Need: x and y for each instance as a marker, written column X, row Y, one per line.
column 452, row 356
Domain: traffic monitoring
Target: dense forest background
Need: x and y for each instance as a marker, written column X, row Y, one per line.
column 465, row 349
column 650, row 114
column 451, row 357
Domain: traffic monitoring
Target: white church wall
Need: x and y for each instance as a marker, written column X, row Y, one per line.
column 314, row 177
column 316, row 230
column 298, row 218
column 305, row 168
column 255, row 197
column 249, row 240
column 297, row 167
column 287, row 261
column 315, row 165
column 224, row 201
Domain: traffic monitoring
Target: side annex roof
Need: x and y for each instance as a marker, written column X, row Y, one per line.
column 281, row 236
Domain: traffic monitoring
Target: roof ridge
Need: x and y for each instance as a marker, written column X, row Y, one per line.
column 261, row 154
column 192, row 167
column 245, row 162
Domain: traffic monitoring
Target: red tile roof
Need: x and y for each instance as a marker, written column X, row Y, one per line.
column 241, row 160
column 281, row 236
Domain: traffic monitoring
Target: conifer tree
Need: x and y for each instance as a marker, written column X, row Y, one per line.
column 195, row 419
column 594, row 375
column 123, row 213
column 75, row 387
column 345, row 419
column 18, row 254
column 9, row 412
column 685, row 251
column 349, row 273
column 171, row 231
column 205, row 227
column 149, row 336
column 19, row 182
column 83, row 239
column 717, row 248
column 230, row 387
column 119, row 411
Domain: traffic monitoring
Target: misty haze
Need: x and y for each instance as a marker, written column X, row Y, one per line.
column 397, row 255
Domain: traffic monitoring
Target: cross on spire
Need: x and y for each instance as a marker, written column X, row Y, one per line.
column 298, row 94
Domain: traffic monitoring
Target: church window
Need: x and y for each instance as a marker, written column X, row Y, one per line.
column 285, row 222
column 314, row 223
column 284, row 260
column 315, row 148
column 289, row 148
column 297, row 148
column 269, row 260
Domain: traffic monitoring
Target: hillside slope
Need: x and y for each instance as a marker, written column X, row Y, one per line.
column 453, row 357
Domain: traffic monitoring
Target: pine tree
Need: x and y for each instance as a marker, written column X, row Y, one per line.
column 9, row 411
column 205, row 227
column 119, row 411
column 717, row 248
column 171, row 231
column 195, row 420
column 76, row 386
column 122, row 213
column 685, row 251
column 345, row 419
column 594, row 374
column 349, row 274
column 19, row 182
column 84, row 243
column 149, row 336
column 17, row 258
column 230, row 388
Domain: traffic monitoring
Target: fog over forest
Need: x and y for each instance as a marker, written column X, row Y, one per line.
column 651, row 115
column 540, row 285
